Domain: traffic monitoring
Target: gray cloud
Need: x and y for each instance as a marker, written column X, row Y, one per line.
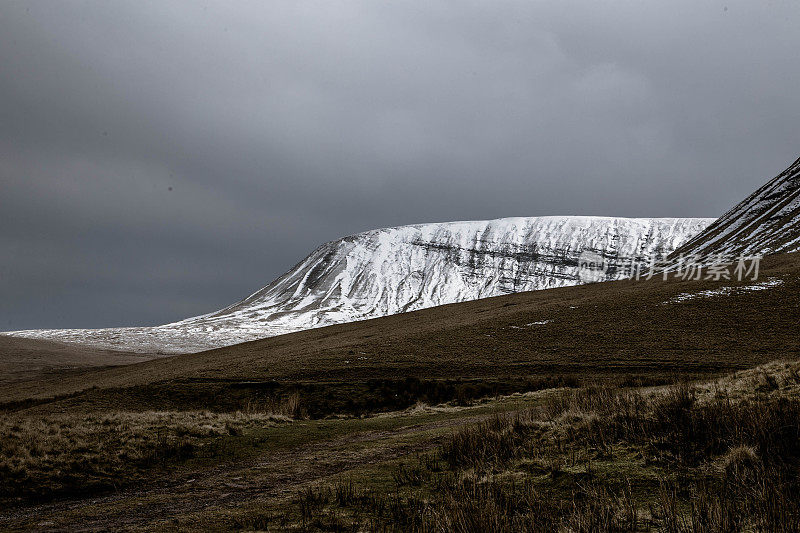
column 159, row 160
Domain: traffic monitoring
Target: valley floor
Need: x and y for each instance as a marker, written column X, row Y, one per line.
column 712, row 455
column 259, row 459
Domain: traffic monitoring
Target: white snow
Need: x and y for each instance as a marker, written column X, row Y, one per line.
column 725, row 291
column 529, row 324
column 394, row 270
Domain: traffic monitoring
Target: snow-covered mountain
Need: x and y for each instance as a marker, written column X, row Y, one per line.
column 393, row 270
column 767, row 222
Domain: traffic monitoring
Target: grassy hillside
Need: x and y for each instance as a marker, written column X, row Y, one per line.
column 608, row 329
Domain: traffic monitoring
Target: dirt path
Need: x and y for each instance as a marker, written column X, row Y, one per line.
column 273, row 476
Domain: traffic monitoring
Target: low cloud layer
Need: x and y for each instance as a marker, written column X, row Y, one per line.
column 161, row 160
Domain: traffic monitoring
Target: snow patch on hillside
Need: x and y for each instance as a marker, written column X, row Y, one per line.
column 725, row 291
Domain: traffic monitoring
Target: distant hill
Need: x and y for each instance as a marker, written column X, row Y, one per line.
column 23, row 359
column 395, row 270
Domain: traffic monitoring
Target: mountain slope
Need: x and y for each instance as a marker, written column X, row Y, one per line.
column 647, row 327
column 767, row 222
column 394, row 270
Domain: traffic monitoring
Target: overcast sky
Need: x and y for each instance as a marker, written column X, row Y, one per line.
column 164, row 159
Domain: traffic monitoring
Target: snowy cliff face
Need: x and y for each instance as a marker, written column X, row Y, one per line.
column 395, row 270
column 767, row 222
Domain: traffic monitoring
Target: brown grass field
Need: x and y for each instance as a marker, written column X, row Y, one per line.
column 29, row 359
column 607, row 407
column 606, row 329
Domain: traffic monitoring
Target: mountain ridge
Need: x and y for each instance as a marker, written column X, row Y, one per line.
column 398, row 269
column 766, row 222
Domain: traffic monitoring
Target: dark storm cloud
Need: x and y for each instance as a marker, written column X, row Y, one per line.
column 163, row 159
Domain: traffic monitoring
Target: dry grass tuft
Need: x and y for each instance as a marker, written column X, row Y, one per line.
column 724, row 465
column 41, row 457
